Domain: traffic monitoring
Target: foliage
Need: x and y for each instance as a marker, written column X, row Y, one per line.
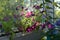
column 29, row 21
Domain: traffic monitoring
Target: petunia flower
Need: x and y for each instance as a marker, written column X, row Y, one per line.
column 50, row 26
column 28, row 29
column 16, row 16
column 6, row 18
column 58, row 23
column 36, row 7
column 28, row 14
column 47, row 22
column 33, row 27
column 43, row 26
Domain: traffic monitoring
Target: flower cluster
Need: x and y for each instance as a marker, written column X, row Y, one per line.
column 48, row 24
column 29, row 29
column 29, row 14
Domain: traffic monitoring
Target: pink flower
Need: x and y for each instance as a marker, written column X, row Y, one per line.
column 50, row 26
column 28, row 29
column 33, row 27
column 28, row 14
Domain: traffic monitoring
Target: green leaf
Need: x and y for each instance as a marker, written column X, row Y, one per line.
column 48, row 1
column 41, row 5
column 48, row 7
column 1, row 9
column 39, row 18
column 12, row 35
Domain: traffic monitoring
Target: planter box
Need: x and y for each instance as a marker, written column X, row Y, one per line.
column 29, row 36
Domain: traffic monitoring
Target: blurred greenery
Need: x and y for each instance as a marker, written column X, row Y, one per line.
column 57, row 13
column 7, row 9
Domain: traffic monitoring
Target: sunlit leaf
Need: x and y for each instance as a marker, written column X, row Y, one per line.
column 1, row 9
column 55, row 4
